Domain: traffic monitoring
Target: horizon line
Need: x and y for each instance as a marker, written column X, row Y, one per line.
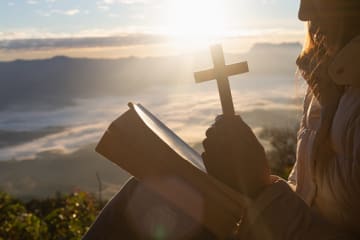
column 198, row 51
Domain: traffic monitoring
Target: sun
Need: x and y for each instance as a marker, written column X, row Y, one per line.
column 195, row 22
column 195, row 17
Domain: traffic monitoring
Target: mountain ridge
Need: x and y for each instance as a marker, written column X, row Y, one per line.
column 59, row 81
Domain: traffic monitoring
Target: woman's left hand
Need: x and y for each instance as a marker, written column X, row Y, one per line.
column 234, row 156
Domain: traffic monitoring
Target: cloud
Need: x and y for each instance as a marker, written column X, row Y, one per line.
column 129, row 2
column 179, row 110
column 265, row 2
column 64, row 142
column 69, row 12
column 104, row 5
column 114, row 15
column 34, row 39
column 32, row 2
column 138, row 17
column 80, row 42
column 188, row 109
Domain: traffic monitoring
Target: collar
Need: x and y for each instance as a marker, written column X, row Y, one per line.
column 345, row 68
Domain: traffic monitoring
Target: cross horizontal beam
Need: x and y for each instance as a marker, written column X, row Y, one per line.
column 230, row 70
column 221, row 72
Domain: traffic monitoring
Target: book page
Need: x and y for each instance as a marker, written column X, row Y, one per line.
column 169, row 137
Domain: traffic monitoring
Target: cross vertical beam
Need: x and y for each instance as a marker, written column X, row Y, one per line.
column 221, row 72
column 222, row 81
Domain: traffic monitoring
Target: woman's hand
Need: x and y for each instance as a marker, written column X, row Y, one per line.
column 234, row 156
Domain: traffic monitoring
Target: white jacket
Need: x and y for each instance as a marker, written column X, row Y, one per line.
column 324, row 206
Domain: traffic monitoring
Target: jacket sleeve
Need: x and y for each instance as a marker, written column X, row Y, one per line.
column 353, row 180
column 280, row 214
column 342, row 182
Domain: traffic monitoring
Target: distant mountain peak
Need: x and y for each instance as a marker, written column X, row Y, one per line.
column 60, row 57
column 276, row 46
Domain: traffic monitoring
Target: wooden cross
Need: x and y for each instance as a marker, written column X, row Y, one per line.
column 221, row 72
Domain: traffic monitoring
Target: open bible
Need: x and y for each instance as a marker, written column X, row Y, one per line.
column 143, row 146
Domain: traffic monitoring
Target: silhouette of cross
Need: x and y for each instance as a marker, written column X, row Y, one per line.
column 221, row 72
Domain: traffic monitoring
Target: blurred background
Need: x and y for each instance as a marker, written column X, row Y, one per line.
column 69, row 68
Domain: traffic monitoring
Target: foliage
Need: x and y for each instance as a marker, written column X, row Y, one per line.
column 72, row 220
column 61, row 217
column 17, row 223
column 282, row 154
column 69, row 216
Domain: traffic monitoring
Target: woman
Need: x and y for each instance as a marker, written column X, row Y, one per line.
column 322, row 198
column 326, row 176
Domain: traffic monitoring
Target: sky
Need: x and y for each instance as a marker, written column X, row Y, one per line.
column 116, row 28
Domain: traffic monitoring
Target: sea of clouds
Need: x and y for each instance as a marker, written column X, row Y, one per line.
column 187, row 109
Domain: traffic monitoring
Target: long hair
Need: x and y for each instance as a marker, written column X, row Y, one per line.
column 313, row 59
column 320, row 48
column 313, row 62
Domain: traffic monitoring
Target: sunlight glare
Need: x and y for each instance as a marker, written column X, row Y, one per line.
column 195, row 23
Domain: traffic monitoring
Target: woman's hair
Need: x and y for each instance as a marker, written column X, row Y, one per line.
column 318, row 52
column 314, row 51
column 313, row 64
column 320, row 48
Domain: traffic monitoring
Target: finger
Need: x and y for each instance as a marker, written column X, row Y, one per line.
column 210, row 132
column 204, row 157
column 219, row 118
column 228, row 121
column 238, row 124
column 219, row 127
column 209, row 145
column 206, row 144
column 209, row 165
column 220, row 121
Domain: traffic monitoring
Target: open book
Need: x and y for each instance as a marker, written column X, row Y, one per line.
column 143, row 146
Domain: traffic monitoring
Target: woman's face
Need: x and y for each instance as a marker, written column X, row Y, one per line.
column 326, row 16
column 323, row 13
